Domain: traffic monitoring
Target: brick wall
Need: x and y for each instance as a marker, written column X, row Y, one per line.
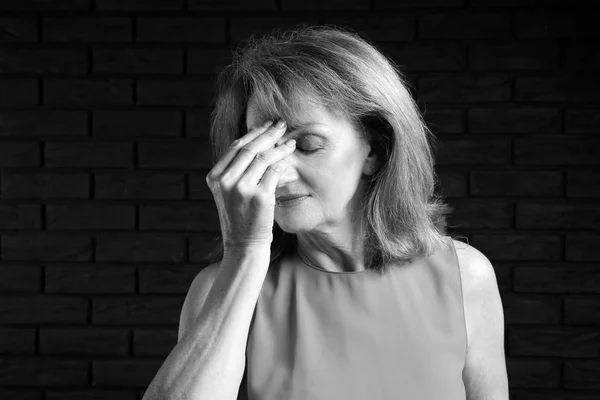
column 105, row 217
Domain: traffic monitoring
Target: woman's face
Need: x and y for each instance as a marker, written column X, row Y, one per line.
column 326, row 165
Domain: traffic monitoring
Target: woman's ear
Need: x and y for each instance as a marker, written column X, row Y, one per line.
column 372, row 163
column 376, row 130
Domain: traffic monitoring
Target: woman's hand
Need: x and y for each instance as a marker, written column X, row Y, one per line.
column 243, row 184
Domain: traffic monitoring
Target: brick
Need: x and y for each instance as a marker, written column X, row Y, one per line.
column 17, row 341
column 20, row 216
column 531, row 309
column 452, row 183
column 557, row 216
column 87, row 28
column 409, row 80
column 36, row 5
column 89, row 279
column 198, row 187
column 89, row 154
column 583, row 121
column 393, row 4
column 556, row 89
column 20, row 278
column 571, row 279
column 476, row 25
column 582, row 374
column 583, row 183
column 43, row 61
column 19, row 154
column 42, row 372
column 241, row 28
column 140, row 5
column 137, row 310
column 207, row 61
column 20, row 394
column 176, row 216
column 516, row 183
column 512, row 3
column 554, row 342
column 83, row 341
column 584, row 310
column 42, row 123
column 426, row 56
column 197, row 122
column 90, row 216
column 444, row 120
column 181, row 29
column 513, row 56
column 93, row 394
column 124, row 373
column 231, row 5
column 186, row 91
column 582, row 57
column 18, row 29
column 503, row 276
column 18, row 91
column 582, row 247
column 479, row 151
column 377, row 27
column 326, row 5
column 202, row 244
column 139, row 185
column 154, row 342
column 556, row 395
column 139, row 248
column 167, row 278
column 475, row 213
column 181, row 154
column 46, row 246
column 533, row 25
column 522, row 247
column 137, row 123
column 556, row 151
column 462, row 88
column 514, row 120
column 42, row 309
column 131, row 60
column 527, row 373
column 44, row 185
column 88, row 91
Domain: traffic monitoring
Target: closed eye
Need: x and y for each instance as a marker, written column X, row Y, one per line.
column 306, row 151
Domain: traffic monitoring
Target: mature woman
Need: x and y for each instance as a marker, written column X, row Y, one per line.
column 334, row 277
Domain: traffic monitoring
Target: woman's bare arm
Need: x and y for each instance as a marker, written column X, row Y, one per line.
column 208, row 362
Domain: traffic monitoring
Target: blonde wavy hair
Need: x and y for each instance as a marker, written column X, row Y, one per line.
column 339, row 70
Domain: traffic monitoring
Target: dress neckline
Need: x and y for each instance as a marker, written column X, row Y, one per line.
column 304, row 264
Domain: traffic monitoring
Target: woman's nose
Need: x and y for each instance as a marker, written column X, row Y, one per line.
column 289, row 175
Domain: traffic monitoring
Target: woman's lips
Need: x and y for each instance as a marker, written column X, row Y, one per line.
column 292, row 201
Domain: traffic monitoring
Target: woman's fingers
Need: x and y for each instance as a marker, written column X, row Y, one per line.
column 268, row 163
column 234, row 148
column 255, row 148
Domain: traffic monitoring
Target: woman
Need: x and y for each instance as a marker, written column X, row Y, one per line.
column 352, row 290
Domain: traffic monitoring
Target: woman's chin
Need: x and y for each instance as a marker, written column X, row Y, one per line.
column 290, row 223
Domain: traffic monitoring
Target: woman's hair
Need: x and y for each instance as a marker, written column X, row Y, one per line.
column 340, row 71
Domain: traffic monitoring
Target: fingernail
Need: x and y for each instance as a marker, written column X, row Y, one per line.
column 280, row 124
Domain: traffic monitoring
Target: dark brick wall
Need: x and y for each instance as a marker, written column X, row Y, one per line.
column 105, row 216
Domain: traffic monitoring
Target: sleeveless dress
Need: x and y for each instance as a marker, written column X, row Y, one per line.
column 322, row 335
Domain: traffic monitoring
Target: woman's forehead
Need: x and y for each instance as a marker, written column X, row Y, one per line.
column 302, row 113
